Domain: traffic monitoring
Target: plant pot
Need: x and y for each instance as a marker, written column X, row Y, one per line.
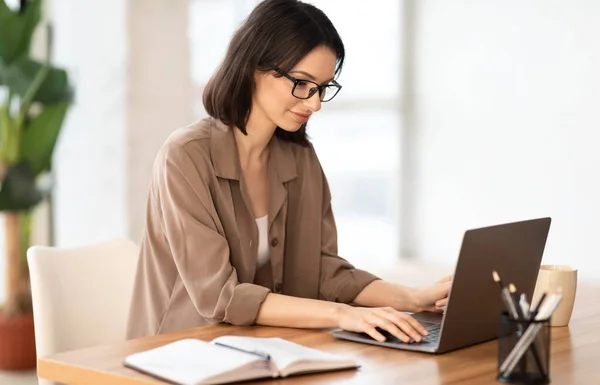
column 17, row 342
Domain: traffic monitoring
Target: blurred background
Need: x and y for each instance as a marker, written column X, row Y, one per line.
column 454, row 115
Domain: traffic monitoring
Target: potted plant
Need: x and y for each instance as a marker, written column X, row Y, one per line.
column 34, row 99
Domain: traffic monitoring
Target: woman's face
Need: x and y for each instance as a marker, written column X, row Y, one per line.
column 273, row 94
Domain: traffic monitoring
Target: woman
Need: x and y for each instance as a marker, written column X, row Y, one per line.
column 239, row 226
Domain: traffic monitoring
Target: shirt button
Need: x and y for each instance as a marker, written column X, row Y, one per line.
column 274, row 242
column 278, row 288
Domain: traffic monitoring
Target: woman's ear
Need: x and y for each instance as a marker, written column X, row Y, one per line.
column 261, row 75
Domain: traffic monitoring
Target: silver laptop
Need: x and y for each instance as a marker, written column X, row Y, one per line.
column 514, row 250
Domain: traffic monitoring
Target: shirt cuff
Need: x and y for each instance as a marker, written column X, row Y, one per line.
column 245, row 303
column 351, row 283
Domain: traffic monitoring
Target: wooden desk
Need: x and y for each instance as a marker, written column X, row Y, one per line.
column 575, row 356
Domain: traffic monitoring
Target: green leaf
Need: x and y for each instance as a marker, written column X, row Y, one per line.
column 40, row 135
column 18, row 190
column 16, row 30
column 55, row 88
column 2, row 71
column 25, row 229
column 9, row 136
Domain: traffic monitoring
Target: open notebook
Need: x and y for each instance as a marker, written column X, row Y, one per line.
column 195, row 362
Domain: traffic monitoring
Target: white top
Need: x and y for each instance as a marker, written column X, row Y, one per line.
column 263, row 240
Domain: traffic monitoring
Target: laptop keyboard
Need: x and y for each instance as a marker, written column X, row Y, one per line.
column 434, row 335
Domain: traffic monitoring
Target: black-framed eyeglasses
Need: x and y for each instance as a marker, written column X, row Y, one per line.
column 305, row 89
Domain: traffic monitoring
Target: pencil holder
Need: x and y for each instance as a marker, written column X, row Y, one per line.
column 523, row 351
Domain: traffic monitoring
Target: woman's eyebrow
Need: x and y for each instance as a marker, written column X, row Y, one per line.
column 310, row 76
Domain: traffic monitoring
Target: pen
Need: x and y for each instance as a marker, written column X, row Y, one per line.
column 537, row 307
column 513, row 294
column 526, row 341
column 506, row 296
column 255, row 352
column 515, row 312
column 525, row 306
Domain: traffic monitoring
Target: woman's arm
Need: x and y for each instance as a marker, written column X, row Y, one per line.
column 380, row 293
column 295, row 312
column 382, row 300
column 286, row 311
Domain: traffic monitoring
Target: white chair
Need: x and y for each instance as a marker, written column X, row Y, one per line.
column 81, row 295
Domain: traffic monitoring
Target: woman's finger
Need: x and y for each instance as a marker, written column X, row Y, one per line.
column 447, row 278
column 441, row 303
column 397, row 316
column 371, row 331
column 407, row 324
column 385, row 324
column 415, row 324
column 408, row 328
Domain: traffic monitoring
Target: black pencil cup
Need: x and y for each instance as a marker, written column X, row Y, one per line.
column 533, row 366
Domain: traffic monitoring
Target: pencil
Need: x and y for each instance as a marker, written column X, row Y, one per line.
column 514, row 311
column 513, row 293
column 506, row 297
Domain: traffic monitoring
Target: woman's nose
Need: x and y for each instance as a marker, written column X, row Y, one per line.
column 314, row 102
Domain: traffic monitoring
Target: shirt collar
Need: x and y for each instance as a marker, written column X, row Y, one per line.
column 225, row 158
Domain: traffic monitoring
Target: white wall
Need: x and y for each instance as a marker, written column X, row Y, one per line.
column 159, row 93
column 90, row 158
column 130, row 65
column 506, row 124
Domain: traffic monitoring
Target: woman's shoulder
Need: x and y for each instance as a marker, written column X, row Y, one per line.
column 197, row 133
column 188, row 144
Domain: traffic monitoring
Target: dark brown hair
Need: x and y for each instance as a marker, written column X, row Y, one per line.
column 277, row 33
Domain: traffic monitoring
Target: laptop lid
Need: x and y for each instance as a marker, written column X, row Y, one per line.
column 515, row 251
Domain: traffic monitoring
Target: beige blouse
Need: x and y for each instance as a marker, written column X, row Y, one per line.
column 198, row 259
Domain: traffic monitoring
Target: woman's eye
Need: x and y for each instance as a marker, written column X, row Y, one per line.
column 302, row 84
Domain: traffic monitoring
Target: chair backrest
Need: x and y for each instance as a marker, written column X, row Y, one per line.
column 81, row 295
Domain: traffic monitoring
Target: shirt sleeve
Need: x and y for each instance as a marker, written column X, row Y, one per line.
column 201, row 254
column 340, row 281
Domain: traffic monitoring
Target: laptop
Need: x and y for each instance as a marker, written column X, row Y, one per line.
column 474, row 305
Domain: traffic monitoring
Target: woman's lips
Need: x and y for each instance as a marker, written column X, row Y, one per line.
column 300, row 118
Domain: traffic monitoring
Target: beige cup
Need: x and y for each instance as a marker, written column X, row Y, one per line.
column 551, row 278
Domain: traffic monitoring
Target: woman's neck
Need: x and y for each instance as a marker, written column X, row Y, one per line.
column 254, row 147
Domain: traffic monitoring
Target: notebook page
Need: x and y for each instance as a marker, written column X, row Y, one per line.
column 191, row 362
column 283, row 352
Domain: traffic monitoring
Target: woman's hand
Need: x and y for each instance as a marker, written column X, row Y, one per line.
column 434, row 298
column 364, row 319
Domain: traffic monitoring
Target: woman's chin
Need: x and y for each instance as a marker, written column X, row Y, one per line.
column 290, row 126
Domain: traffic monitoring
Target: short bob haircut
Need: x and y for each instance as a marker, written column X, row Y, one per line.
column 278, row 33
